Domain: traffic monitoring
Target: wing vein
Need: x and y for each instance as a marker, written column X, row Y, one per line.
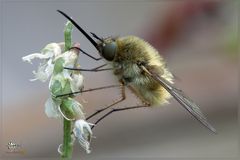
column 180, row 96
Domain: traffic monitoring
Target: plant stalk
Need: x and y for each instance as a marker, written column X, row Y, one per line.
column 67, row 147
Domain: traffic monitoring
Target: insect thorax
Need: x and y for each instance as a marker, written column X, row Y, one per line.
column 131, row 51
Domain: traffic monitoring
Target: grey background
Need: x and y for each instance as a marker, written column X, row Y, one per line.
column 207, row 73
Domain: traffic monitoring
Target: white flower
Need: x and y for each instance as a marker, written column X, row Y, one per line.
column 30, row 57
column 73, row 77
column 44, row 71
column 51, row 108
column 83, row 133
column 77, row 109
column 70, row 58
column 48, row 53
column 76, row 82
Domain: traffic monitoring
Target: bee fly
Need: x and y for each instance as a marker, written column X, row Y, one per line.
column 140, row 67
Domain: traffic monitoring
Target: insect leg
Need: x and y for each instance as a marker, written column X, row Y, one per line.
column 88, row 90
column 116, row 110
column 87, row 54
column 90, row 70
column 123, row 97
column 100, row 66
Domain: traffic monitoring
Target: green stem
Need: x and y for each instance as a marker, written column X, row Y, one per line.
column 67, row 147
column 67, row 140
column 68, row 35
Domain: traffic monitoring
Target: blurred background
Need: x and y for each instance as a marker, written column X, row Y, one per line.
column 199, row 41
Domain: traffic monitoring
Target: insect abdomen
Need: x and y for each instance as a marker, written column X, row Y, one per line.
column 132, row 50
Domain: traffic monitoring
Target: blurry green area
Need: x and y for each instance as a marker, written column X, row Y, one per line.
column 232, row 44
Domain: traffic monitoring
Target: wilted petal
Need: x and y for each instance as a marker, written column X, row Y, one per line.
column 49, row 68
column 60, row 148
column 39, row 75
column 83, row 133
column 30, row 57
column 57, row 84
column 51, row 108
column 78, row 110
column 76, row 82
column 45, row 68
column 44, row 71
column 66, row 74
column 70, row 58
column 52, row 48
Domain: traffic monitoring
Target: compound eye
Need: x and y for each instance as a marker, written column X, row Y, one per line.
column 109, row 51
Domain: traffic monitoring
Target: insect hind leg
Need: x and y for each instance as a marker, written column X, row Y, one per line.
column 122, row 98
column 116, row 110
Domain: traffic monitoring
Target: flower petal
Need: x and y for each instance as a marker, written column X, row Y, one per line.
column 49, row 68
column 60, row 149
column 52, row 48
column 45, row 68
column 83, row 133
column 70, row 58
column 78, row 110
column 51, row 108
column 76, row 82
column 30, row 57
column 71, row 109
column 44, row 71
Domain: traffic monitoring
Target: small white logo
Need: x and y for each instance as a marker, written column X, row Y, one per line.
column 14, row 148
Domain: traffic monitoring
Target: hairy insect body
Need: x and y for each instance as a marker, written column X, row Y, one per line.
column 130, row 52
column 140, row 67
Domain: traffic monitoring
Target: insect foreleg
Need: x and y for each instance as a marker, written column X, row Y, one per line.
column 88, row 90
column 116, row 110
column 123, row 97
column 94, row 58
column 88, row 70
column 97, row 69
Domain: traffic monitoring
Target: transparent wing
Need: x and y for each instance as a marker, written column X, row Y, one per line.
column 184, row 100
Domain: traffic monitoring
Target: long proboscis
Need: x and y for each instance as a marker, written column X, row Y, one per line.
column 80, row 29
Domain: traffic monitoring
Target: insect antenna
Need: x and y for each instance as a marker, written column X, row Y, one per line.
column 95, row 36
